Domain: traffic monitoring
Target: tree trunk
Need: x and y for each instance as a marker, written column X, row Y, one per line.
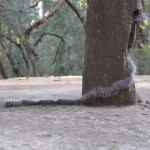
column 34, row 58
column 23, row 52
column 2, row 70
column 108, row 30
column 12, row 63
column 35, row 64
column 7, row 53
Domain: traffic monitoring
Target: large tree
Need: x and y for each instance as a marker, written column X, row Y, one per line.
column 107, row 55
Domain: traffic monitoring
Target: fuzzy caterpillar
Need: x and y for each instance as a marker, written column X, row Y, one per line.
column 98, row 92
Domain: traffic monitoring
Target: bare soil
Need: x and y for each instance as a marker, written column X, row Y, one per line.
column 70, row 127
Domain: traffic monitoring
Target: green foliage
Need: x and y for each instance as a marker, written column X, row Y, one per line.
column 144, row 25
column 142, row 59
column 82, row 3
column 141, row 52
column 61, row 68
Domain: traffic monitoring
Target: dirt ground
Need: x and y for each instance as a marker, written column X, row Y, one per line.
column 70, row 127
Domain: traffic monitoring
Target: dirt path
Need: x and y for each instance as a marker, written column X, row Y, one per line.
column 70, row 127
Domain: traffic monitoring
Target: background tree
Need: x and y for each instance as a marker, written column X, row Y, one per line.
column 30, row 36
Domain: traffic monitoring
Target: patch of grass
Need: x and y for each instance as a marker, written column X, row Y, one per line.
column 19, row 79
column 113, row 147
column 46, row 76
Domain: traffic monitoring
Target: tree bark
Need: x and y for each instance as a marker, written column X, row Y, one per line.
column 12, row 63
column 108, row 30
column 34, row 58
column 2, row 70
column 7, row 53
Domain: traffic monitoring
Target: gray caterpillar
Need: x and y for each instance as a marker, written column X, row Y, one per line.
column 99, row 92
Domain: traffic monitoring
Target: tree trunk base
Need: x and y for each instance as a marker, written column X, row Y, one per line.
column 125, row 97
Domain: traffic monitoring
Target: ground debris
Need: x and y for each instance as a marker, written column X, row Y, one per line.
column 144, row 104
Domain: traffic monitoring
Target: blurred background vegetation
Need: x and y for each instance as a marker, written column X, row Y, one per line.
column 56, row 47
